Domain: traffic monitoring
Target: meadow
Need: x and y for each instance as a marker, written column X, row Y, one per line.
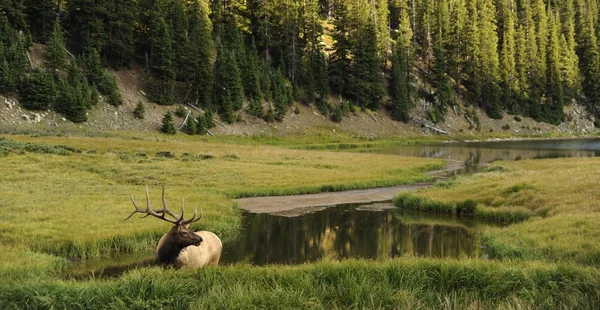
column 65, row 198
column 554, row 204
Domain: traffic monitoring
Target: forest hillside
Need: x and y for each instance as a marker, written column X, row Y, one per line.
column 376, row 67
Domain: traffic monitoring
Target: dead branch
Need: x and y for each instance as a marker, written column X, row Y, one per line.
column 470, row 121
column 185, row 120
column 432, row 128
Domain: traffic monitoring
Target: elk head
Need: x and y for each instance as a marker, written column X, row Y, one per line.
column 180, row 235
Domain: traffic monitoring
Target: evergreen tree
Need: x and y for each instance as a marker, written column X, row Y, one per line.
column 40, row 18
column 339, row 60
column 168, row 124
column 38, row 90
column 56, row 54
column 201, row 54
column 162, row 82
column 179, row 27
column 228, row 89
column 366, row 84
column 87, row 23
column 489, row 96
column 319, row 71
column 251, row 81
column 70, row 101
column 191, row 127
column 121, row 18
column 443, row 89
column 508, row 65
column 555, row 97
column 14, row 11
column 400, row 75
column 280, row 96
column 569, row 65
column 201, row 125
column 140, row 110
column 13, row 56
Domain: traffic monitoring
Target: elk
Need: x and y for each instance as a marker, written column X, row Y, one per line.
column 181, row 246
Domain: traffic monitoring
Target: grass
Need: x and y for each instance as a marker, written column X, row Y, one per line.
column 73, row 205
column 65, row 197
column 400, row 283
column 556, row 201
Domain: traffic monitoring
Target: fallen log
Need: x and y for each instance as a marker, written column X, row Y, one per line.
column 432, row 128
column 185, row 120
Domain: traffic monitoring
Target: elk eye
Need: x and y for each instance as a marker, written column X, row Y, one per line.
column 185, row 233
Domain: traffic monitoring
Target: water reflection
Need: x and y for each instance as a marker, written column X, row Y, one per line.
column 351, row 232
column 476, row 154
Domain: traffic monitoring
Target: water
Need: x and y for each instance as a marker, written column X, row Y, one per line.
column 475, row 155
column 353, row 231
column 378, row 231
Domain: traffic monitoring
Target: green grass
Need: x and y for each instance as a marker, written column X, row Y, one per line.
column 556, row 201
column 66, row 197
column 400, row 283
column 73, row 204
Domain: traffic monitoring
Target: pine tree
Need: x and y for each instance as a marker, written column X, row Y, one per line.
column 339, row 60
column 508, row 65
column 121, row 19
column 13, row 57
column 399, row 86
column 570, row 74
column 201, row 54
column 443, row 89
column 168, row 124
column 554, row 106
column 162, row 82
column 228, row 89
column 56, row 55
column 366, row 84
column 251, row 81
column 14, row 10
column 87, row 23
column 280, row 96
column 140, row 110
column 38, row 90
column 201, row 125
column 489, row 65
column 179, row 27
column 400, row 75
column 191, row 127
column 319, row 71
column 40, row 18
column 71, row 99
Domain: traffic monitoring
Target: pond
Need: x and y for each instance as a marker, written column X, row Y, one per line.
column 370, row 231
column 355, row 231
column 475, row 155
column 377, row 231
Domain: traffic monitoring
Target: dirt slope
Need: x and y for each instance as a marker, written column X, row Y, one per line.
column 104, row 117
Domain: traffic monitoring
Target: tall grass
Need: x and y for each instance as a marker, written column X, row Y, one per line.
column 556, row 198
column 73, row 204
column 400, row 283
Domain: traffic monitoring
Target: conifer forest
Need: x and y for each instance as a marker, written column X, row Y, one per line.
column 524, row 57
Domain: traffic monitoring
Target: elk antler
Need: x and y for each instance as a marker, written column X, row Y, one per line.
column 177, row 218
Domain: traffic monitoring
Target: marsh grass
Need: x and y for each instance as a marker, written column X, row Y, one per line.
column 555, row 201
column 400, row 283
column 73, row 205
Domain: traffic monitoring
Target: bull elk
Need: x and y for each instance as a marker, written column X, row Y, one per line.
column 181, row 246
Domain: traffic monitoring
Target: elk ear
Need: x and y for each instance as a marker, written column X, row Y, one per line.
column 187, row 226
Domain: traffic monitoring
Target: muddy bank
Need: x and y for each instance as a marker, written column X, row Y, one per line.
column 295, row 205
column 284, row 204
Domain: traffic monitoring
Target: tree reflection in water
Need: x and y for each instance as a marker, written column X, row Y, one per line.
column 352, row 232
